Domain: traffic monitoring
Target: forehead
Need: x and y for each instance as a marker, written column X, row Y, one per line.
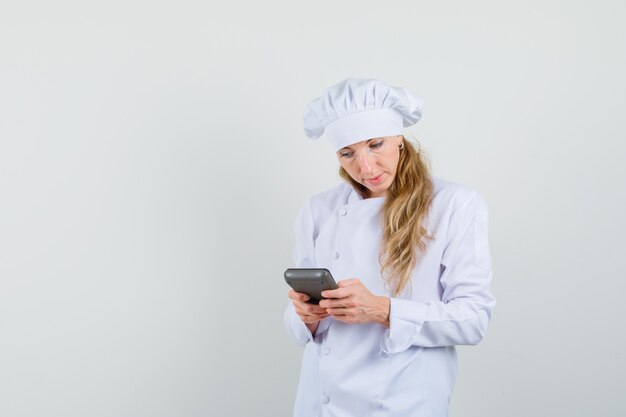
column 362, row 143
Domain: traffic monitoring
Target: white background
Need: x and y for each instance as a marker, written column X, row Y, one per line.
column 152, row 163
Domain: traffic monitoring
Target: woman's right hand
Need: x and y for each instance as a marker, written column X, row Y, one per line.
column 310, row 314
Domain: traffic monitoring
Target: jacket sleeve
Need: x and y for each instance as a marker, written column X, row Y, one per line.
column 462, row 315
column 304, row 257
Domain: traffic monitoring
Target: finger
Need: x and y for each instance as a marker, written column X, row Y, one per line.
column 317, row 316
column 345, row 302
column 348, row 282
column 341, row 312
column 297, row 296
column 345, row 319
column 312, row 319
column 308, row 308
column 302, row 296
column 317, row 310
column 338, row 293
column 308, row 317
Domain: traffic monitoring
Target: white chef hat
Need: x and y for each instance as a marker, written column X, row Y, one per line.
column 359, row 109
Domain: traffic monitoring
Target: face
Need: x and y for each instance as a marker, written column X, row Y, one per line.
column 372, row 163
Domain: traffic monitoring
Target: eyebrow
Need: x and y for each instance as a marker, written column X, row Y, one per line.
column 366, row 142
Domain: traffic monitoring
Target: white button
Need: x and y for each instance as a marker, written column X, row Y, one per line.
column 327, row 351
column 343, row 211
column 325, row 399
column 336, row 255
column 378, row 404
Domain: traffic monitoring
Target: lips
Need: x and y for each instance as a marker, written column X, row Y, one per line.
column 375, row 180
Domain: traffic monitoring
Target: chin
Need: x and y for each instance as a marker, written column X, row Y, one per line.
column 378, row 190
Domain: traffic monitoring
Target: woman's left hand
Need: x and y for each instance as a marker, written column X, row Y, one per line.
column 352, row 302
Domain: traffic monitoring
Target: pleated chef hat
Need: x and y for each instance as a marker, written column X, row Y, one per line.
column 359, row 109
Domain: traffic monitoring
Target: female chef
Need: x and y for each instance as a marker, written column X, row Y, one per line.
column 411, row 257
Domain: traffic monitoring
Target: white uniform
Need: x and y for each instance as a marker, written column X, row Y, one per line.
column 409, row 369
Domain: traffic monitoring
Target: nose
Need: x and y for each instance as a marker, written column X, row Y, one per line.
column 365, row 162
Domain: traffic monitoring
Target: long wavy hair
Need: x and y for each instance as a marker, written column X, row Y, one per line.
column 403, row 217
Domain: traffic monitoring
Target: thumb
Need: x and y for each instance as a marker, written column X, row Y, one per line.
column 348, row 282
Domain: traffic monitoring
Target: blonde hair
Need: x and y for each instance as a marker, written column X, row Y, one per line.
column 403, row 216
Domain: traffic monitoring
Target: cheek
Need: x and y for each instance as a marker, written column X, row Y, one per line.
column 352, row 171
column 391, row 164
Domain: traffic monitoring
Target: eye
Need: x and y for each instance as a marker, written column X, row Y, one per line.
column 376, row 145
column 345, row 154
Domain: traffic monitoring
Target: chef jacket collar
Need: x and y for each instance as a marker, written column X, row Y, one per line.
column 355, row 197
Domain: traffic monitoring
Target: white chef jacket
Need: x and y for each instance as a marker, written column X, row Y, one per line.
column 361, row 370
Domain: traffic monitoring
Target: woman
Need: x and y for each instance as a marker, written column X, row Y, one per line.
column 411, row 257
